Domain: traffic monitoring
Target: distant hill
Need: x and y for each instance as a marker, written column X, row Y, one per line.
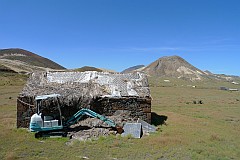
column 177, row 67
column 87, row 68
column 208, row 72
column 174, row 66
column 132, row 69
column 108, row 70
column 19, row 60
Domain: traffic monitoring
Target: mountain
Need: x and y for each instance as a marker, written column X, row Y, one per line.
column 134, row 68
column 177, row 67
column 171, row 66
column 174, row 66
column 108, row 70
column 87, row 68
column 19, row 60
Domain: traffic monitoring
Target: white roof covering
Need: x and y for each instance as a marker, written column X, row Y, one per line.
column 117, row 84
column 87, row 84
column 47, row 96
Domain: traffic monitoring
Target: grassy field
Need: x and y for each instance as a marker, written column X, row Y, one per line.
column 192, row 131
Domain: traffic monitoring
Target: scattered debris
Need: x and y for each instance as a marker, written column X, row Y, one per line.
column 200, row 102
column 197, row 102
column 233, row 89
column 228, row 89
column 224, row 88
column 93, row 128
column 83, row 157
column 93, row 133
column 191, row 86
column 235, row 83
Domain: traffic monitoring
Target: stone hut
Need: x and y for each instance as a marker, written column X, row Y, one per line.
column 102, row 92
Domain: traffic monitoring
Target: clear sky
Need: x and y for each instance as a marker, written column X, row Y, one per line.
column 117, row 34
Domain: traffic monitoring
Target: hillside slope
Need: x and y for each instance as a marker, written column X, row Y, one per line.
column 20, row 60
column 133, row 69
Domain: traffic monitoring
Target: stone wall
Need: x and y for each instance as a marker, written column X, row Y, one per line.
column 137, row 107
column 25, row 108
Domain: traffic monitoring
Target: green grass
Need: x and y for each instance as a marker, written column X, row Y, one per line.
column 193, row 131
column 12, row 79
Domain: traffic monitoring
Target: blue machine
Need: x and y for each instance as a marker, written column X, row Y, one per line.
column 46, row 125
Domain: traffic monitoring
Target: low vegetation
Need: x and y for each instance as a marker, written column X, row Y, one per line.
column 207, row 130
column 12, row 79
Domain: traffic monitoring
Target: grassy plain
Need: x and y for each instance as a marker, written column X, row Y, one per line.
column 192, row 131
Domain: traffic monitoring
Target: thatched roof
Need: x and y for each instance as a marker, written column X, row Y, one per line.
column 88, row 84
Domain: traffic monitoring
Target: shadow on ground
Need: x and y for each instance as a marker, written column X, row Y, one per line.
column 158, row 119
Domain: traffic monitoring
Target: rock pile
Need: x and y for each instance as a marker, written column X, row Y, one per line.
column 93, row 128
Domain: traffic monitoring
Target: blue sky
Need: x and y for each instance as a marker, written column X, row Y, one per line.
column 117, row 34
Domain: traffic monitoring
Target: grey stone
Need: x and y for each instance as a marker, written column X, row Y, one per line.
column 146, row 126
column 133, row 129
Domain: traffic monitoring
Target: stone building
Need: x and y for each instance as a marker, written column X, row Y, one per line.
column 102, row 92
